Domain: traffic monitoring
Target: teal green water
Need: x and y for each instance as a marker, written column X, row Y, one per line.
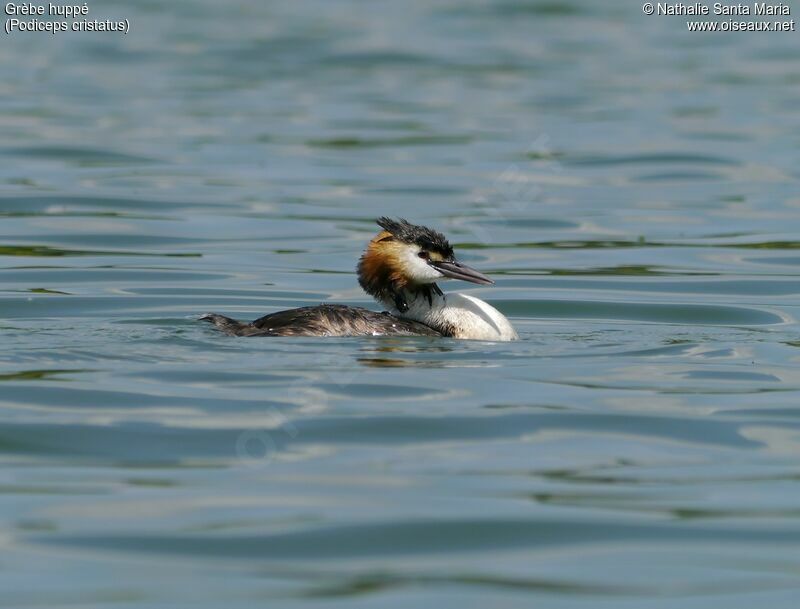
column 633, row 189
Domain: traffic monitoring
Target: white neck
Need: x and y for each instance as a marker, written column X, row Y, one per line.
column 457, row 315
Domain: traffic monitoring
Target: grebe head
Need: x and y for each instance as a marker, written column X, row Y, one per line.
column 406, row 257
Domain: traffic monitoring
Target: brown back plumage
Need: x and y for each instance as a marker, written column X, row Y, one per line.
column 323, row 320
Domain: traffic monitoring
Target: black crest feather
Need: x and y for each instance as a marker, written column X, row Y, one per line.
column 427, row 238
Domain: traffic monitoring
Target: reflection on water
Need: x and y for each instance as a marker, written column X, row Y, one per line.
column 633, row 190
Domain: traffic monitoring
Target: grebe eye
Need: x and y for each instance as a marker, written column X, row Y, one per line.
column 424, row 255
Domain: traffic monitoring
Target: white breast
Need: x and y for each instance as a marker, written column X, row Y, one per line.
column 475, row 319
column 465, row 316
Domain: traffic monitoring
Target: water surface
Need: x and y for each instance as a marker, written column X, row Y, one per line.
column 632, row 188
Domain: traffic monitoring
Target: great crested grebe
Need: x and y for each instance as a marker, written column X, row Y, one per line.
column 399, row 268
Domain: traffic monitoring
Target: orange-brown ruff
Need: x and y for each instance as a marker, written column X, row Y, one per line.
column 399, row 269
column 383, row 274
